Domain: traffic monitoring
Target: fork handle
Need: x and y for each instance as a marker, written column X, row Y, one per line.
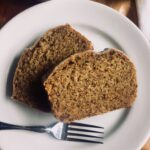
column 7, row 126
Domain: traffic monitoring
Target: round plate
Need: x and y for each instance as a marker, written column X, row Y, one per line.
column 125, row 129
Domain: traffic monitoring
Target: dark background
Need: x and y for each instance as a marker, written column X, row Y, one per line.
column 9, row 8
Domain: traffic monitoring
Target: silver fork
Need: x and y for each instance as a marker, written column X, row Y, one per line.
column 78, row 132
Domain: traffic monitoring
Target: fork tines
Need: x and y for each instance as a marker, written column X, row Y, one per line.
column 85, row 125
column 81, row 132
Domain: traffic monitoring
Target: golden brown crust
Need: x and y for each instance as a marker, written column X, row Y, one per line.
column 90, row 83
column 56, row 45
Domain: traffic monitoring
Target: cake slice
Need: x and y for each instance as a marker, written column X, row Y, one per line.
column 55, row 45
column 91, row 83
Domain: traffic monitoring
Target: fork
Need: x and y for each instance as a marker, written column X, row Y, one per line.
column 78, row 132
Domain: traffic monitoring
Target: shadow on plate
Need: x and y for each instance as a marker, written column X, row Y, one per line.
column 118, row 123
column 11, row 73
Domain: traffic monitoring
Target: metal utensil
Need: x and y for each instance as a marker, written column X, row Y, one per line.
column 78, row 132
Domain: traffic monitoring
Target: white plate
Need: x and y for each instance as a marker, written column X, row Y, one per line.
column 125, row 129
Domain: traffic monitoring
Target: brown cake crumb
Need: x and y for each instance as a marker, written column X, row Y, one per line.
column 90, row 83
column 56, row 45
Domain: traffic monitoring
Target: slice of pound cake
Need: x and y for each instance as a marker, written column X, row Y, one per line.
column 91, row 83
column 56, row 45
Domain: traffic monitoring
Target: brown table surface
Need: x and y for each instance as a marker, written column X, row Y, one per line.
column 9, row 8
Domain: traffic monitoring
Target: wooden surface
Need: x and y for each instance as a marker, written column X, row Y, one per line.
column 9, row 8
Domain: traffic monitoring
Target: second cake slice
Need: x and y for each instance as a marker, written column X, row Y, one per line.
column 90, row 83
